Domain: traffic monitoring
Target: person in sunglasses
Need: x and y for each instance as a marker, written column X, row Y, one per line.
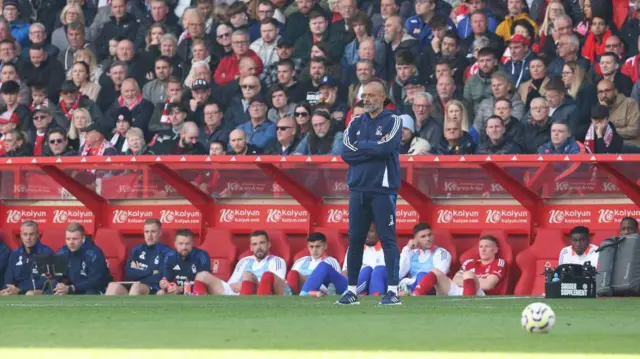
column 42, row 124
column 288, row 138
column 59, row 144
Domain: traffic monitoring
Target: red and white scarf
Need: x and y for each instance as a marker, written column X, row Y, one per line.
column 34, row 104
column 69, row 112
column 114, row 141
column 184, row 36
column 165, row 119
column 590, row 139
column 86, row 151
column 132, row 105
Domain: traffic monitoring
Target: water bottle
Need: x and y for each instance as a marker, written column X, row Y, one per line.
column 555, row 278
column 187, row 288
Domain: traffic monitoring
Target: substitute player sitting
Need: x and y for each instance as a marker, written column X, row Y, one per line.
column 420, row 256
column 185, row 265
column 303, row 267
column 371, row 279
column 145, row 264
column 261, row 273
column 476, row 276
column 581, row 250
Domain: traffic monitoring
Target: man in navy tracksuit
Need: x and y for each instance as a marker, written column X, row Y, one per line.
column 87, row 272
column 145, row 263
column 22, row 276
column 371, row 144
column 4, row 261
column 185, row 265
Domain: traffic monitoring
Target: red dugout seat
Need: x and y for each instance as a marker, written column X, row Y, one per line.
column 504, row 251
column 336, row 246
column 533, row 260
column 10, row 239
column 221, row 250
column 279, row 246
column 112, row 245
column 599, row 236
column 444, row 239
column 168, row 237
column 54, row 238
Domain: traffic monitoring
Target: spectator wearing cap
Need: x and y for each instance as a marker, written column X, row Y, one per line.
column 124, row 121
column 329, row 90
column 42, row 123
column 81, row 77
column 16, row 145
column 270, row 75
column 9, row 72
column 59, row 144
column 518, row 64
column 412, row 86
column 318, row 32
column 398, row 41
column 40, row 68
column 38, row 36
column 266, row 45
column 201, row 95
column 186, row 144
column 9, row 94
column 497, row 143
column 410, row 143
column 281, row 106
column 237, row 112
column 365, row 72
column 70, row 100
column 324, row 139
column 132, row 98
column 602, row 136
column 238, row 15
column 9, row 121
column 562, row 142
column 561, row 106
column 228, row 69
column 122, row 24
column 623, row 112
column 19, row 28
column 215, row 127
column 95, row 141
column 405, row 68
column 156, row 89
column 516, row 12
column 239, row 144
column 260, row 131
column 609, row 64
column 288, row 137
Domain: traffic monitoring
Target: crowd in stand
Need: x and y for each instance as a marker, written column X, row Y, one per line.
column 285, row 77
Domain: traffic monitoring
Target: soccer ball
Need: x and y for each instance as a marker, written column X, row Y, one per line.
column 538, row 318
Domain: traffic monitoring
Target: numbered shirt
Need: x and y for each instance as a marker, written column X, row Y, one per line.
column 569, row 256
column 270, row 263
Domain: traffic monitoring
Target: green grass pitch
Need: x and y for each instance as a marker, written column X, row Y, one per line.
column 293, row 327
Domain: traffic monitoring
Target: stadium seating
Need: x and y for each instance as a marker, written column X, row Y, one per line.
column 112, row 245
column 599, row 236
column 222, row 251
column 279, row 246
column 533, row 260
column 10, row 238
column 505, row 252
column 336, row 247
column 168, row 237
column 54, row 238
column 444, row 239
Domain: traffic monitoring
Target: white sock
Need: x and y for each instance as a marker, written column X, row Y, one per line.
column 394, row 289
column 352, row 289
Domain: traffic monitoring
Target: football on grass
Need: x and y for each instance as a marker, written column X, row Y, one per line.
column 538, row 318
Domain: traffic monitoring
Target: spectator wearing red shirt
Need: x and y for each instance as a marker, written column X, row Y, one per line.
column 229, row 67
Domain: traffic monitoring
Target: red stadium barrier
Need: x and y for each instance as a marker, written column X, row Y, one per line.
column 299, row 194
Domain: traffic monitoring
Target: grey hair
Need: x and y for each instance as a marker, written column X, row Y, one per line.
column 562, row 17
column 481, row 42
column 426, row 95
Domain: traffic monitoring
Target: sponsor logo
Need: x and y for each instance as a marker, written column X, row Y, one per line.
column 64, row 216
column 569, row 216
column 506, row 216
column 121, row 216
column 615, row 215
column 228, row 215
column 406, row 216
column 338, row 216
column 170, row 216
column 497, row 187
column 286, row 216
column 143, row 189
column 457, row 216
column 18, row 215
column 340, row 186
column 21, row 188
column 462, row 186
column 609, row 187
column 276, row 188
column 245, row 187
column 575, row 186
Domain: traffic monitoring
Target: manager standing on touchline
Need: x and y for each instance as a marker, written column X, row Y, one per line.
column 371, row 144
